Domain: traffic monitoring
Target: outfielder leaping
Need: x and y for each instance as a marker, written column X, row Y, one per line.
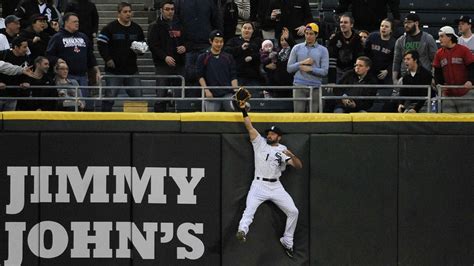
column 271, row 159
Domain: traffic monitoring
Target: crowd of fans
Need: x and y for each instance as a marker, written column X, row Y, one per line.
column 223, row 44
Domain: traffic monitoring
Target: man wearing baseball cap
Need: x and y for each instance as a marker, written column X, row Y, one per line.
column 310, row 63
column 414, row 39
column 454, row 65
column 464, row 24
column 11, row 30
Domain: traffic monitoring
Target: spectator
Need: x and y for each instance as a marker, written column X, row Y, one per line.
column 10, row 32
column 267, row 15
column 41, row 65
column 199, row 18
column 27, row 8
column 217, row 68
column 17, row 56
column 268, row 59
column 414, row 39
column 359, row 75
column 37, row 38
column 363, row 34
column 61, row 80
column 88, row 16
column 245, row 50
column 454, row 65
column 416, row 75
column 379, row 48
column 343, row 48
column 243, row 11
column 10, row 70
column 75, row 49
column 114, row 42
column 230, row 19
column 464, row 26
column 295, row 15
column 369, row 13
column 276, row 71
column 165, row 38
column 310, row 61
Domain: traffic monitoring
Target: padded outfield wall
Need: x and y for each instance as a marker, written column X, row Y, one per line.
column 169, row 189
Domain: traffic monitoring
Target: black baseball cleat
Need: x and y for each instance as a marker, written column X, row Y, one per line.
column 288, row 251
column 241, row 236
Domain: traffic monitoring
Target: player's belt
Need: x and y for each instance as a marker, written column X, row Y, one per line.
column 267, row 179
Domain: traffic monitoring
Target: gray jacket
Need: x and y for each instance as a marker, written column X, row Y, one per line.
column 427, row 51
column 9, row 69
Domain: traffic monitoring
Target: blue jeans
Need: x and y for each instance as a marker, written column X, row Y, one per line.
column 83, row 81
column 216, row 106
column 7, row 105
column 113, row 81
column 160, row 106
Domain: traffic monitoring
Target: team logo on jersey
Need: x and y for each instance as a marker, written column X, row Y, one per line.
column 278, row 158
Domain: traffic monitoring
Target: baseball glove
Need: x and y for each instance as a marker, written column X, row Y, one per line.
column 242, row 96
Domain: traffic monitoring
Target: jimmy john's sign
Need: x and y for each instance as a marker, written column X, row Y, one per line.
column 101, row 188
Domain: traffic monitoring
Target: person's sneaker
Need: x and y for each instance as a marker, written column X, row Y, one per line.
column 288, row 251
column 241, row 236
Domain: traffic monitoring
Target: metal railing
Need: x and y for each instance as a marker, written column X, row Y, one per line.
column 441, row 98
column 100, row 97
column 326, row 87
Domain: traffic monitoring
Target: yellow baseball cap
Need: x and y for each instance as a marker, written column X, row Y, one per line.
column 312, row 26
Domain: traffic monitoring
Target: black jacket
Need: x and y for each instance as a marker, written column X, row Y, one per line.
column 245, row 69
column 163, row 38
column 350, row 77
column 422, row 77
column 38, row 48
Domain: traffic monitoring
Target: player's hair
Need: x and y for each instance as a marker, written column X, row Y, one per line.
column 166, row 2
column 122, row 5
column 39, row 59
column 414, row 54
column 351, row 19
column 18, row 41
column 68, row 15
column 366, row 60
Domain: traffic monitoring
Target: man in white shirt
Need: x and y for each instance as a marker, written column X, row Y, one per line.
column 464, row 26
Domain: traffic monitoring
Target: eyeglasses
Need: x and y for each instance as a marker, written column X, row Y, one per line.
column 359, row 65
column 168, row 9
column 63, row 68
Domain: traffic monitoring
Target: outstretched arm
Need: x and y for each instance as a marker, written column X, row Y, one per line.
column 253, row 133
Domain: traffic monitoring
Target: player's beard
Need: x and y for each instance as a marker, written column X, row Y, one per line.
column 271, row 142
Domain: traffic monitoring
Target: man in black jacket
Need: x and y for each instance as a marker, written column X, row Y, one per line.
column 114, row 43
column 37, row 38
column 359, row 75
column 165, row 39
column 416, row 75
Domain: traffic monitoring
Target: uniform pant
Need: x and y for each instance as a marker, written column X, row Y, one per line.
column 260, row 193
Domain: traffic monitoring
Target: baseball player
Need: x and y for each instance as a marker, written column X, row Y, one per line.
column 271, row 159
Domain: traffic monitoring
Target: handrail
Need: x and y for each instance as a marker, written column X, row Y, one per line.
column 439, row 90
column 100, row 97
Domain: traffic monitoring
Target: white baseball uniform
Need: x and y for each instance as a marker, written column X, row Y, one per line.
column 270, row 161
